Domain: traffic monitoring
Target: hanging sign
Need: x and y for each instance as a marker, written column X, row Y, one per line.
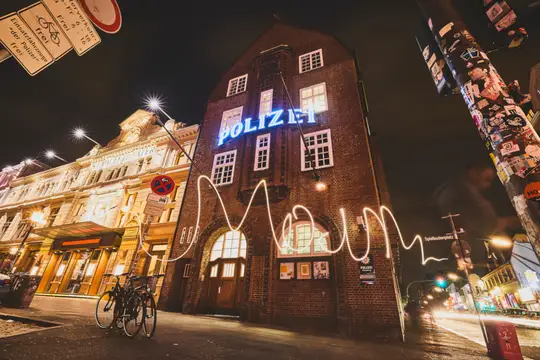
column 41, row 22
column 274, row 119
column 367, row 271
column 74, row 24
column 23, row 44
column 105, row 14
column 162, row 185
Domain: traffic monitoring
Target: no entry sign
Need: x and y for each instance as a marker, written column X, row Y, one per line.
column 162, row 185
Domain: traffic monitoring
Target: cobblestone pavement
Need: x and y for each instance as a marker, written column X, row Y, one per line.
column 199, row 337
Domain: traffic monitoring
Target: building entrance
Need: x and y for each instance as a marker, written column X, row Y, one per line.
column 224, row 275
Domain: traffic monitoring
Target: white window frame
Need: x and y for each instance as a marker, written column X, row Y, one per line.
column 312, row 252
column 316, row 147
column 225, row 123
column 215, row 167
column 187, row 271
column 259, row 149
column 313, row 96
column 189, row 235
column 237, row 80
column 261, row 102
column 310, row 55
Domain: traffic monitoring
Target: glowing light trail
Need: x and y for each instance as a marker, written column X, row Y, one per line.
column 288, row 221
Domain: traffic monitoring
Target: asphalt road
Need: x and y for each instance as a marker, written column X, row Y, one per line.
column 529, row 337
column 199, row 337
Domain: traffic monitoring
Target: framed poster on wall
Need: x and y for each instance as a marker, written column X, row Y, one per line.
column 321, row 270
column 286, row 271
column 303, row 270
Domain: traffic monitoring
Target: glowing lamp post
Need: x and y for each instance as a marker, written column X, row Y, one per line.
column 79, row 133
column 51, row 154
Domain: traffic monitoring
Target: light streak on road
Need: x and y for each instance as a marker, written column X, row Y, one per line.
column 462, row 316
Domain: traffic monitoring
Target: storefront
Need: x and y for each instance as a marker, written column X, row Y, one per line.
column 75, row 265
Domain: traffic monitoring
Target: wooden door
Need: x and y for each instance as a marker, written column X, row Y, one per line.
column 224, row 285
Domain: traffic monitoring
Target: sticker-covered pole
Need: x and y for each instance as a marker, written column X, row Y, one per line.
column 513, row 145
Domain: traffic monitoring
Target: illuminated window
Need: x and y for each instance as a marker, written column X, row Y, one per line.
column 231, row 118
column 314, row 97
column 319, row 150
column 213, row 271
column 228, row 270
column 262, row 152
column 297, row 243
column 242, row 269
column 265, row 105
column 223, row 168
column 310, row 61
column 237, row 85
column 230, row 245
column 183, row 236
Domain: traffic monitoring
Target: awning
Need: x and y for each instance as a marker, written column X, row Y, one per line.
column 76, row 230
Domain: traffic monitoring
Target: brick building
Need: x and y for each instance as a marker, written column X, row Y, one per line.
column 244, row 138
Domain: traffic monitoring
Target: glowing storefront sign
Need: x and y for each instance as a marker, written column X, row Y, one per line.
column 526, row 294
column 267, row 121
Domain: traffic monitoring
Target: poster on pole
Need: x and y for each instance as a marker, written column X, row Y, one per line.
column 74, row 24
column 23, row 44
column 41, row 22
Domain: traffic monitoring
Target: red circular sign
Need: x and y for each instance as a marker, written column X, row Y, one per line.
column 105, row 14
column 162, row 185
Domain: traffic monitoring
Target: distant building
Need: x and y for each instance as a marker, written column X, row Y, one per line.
column 249, row 133
column 90, row 208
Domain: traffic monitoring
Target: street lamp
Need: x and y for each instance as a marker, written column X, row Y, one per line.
column 452, row 276
column 501, row 242
column 430, row 297
column 437, row 289
column 51, row 154
column 79, row 133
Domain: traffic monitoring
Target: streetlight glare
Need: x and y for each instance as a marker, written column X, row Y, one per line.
column 50, row 154
column 501, row 242
column 321, row 186
column 38, row 217
column 154, row 103
column 78, row 133
column 437, row 289
column 452, row 276
column 28, row 161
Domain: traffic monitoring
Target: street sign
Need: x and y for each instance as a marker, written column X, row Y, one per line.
column 41, row 22
column 21, row 42
column 367, row 271
column 105, row 14
column 155, row 204
column 439, row 238
column 74, row 24
column 162, row 185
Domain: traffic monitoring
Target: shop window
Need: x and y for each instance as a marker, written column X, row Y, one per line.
column 310, row 61
column 262, row 152
column 230, row 245
column 237, row 85
column 230, row 118
column 62, row 267
column 320, row 150
column 214, row 271
column 223, row 168
column 187, row 271
column 265, row 104
column 314, row 97
column 297, row 243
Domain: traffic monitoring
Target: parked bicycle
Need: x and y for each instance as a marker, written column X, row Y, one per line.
column 129, row 307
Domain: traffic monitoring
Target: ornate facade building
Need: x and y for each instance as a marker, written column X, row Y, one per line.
column 251, row 133
column 90, row 207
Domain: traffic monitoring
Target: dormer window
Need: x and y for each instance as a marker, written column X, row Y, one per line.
column 310, row 61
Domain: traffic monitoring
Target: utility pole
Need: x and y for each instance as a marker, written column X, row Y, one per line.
column 513, row 144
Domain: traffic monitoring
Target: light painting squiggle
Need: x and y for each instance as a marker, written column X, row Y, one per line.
column 287, row 225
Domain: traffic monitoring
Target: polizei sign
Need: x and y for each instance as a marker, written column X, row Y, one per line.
column 274, row 119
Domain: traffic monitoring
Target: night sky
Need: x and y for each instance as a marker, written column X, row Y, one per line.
column 180, row 50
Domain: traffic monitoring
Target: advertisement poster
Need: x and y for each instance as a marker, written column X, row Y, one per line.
column 304, row 270
column 367, row 271
column 321, row 270
column 286, row 271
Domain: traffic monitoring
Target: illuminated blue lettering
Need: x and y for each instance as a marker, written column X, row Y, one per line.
column 292, row 117
column 224, row 135
column 311, row 116
column 261, row 122
column 276, row 119
column 247, row 126
column 237, row 129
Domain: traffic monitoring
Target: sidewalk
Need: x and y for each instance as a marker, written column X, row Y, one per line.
column 199, row 337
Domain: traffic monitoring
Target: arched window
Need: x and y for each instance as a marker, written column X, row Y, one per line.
column 230, row 245
column 299, row 240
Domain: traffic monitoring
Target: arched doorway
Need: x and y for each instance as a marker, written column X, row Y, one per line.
column 224, row 274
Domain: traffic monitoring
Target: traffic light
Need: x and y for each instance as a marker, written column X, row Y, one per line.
column 441, row 282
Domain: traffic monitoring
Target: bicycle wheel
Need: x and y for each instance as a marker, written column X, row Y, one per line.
column 105, row 310
column 132, row 318
column 150, row 315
